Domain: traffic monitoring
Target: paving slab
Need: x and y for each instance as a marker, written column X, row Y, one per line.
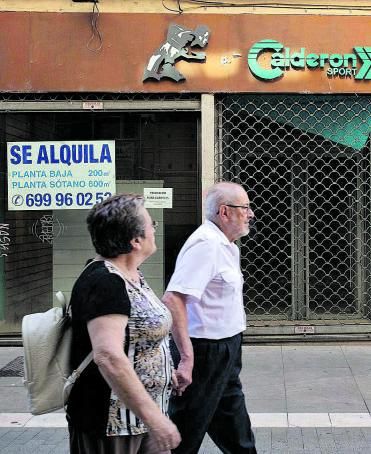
column 321, row 405
column 264, row 359
column 363, row 382
column 350, row 419
column 279, row 440
column 309, row 356
column 303, row 375
column 263, row 439
column 358, row 357
column 268, row 419
column 263, row 405
column 309, row 420
column 265, row 391
column 310, row 440
column 14, row 419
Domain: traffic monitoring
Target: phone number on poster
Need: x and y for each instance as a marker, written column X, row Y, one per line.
column 65, row 199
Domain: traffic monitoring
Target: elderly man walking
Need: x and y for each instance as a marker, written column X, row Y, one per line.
column 204, row 296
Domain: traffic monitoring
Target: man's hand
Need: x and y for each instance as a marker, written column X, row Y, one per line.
column 183, row 376
column 176, row 303
column 166, row 434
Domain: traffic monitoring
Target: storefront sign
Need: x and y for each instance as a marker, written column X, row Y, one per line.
column 357, row 64
column 60, row 175
column 158, row 197
column 200, row 53
column 178, row 44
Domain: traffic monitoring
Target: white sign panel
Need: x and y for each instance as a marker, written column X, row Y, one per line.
column 158, row 197
column 60, row 175
column 304, row 329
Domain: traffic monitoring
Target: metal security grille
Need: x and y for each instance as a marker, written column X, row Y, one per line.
column 13, row 369
column 305, row 161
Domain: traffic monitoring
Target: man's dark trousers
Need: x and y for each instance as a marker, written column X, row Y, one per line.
column 214, row 402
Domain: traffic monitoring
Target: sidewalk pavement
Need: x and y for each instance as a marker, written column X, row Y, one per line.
column 303, row 398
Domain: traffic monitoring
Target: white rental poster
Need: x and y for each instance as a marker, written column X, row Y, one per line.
column 60, row 175
column 158, row 197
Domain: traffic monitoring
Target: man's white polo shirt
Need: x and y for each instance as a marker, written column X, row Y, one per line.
column 208, row 272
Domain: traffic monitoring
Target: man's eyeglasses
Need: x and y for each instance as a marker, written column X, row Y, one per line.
column 154, row 225
column 244, row 207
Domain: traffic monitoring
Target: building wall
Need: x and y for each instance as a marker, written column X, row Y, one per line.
column 28, row 265
column 323, row 7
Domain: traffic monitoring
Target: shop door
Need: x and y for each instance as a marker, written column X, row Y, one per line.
column 306, row 164
column 153, row 149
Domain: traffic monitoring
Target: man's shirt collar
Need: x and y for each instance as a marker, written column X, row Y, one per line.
column 219, row 232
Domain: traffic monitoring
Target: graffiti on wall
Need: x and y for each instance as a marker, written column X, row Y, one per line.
column 47, row 228
column 4, row 240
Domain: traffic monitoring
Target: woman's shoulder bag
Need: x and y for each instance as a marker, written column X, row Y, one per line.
column 48, row 376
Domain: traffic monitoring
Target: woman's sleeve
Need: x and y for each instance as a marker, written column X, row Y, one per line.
column 107, row 295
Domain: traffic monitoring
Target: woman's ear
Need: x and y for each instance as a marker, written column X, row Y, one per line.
column 135, row 243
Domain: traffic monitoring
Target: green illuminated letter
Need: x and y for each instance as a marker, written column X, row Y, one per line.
column 312, row 60
column 364, row 53
column 258, row 48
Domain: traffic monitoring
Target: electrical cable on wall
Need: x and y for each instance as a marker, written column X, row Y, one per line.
column 179, row 10
column 96, row 34
column 221, row 4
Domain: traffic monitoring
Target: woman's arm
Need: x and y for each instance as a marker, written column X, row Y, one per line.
column 107, row 338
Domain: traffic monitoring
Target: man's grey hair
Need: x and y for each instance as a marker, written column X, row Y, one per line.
column 221, row 193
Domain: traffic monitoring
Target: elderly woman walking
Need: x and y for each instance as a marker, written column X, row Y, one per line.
column 119, row 404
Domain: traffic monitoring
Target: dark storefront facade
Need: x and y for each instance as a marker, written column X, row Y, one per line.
column 285, row 113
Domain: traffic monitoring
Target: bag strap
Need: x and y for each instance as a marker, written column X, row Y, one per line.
column 84, row 364
column 68, row 307
column 89, row 358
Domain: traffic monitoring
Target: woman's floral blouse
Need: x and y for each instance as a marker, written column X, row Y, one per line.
column 147, row 347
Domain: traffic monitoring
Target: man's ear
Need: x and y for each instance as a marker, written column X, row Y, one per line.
column 222, row 211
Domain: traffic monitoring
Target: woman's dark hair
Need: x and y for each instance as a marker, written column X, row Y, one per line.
column 114, row 222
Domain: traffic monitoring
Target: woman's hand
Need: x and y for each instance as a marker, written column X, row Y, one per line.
column 166, row 434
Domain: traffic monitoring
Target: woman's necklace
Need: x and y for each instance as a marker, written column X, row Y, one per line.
column 132, row 276
column 129, row 275
column 135, row 280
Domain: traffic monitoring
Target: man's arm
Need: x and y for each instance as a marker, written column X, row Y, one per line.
column 176, row 303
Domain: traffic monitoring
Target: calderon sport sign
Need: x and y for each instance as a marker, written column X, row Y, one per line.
column 356, row 65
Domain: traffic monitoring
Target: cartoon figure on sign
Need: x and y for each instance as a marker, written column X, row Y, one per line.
column 161, row 64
